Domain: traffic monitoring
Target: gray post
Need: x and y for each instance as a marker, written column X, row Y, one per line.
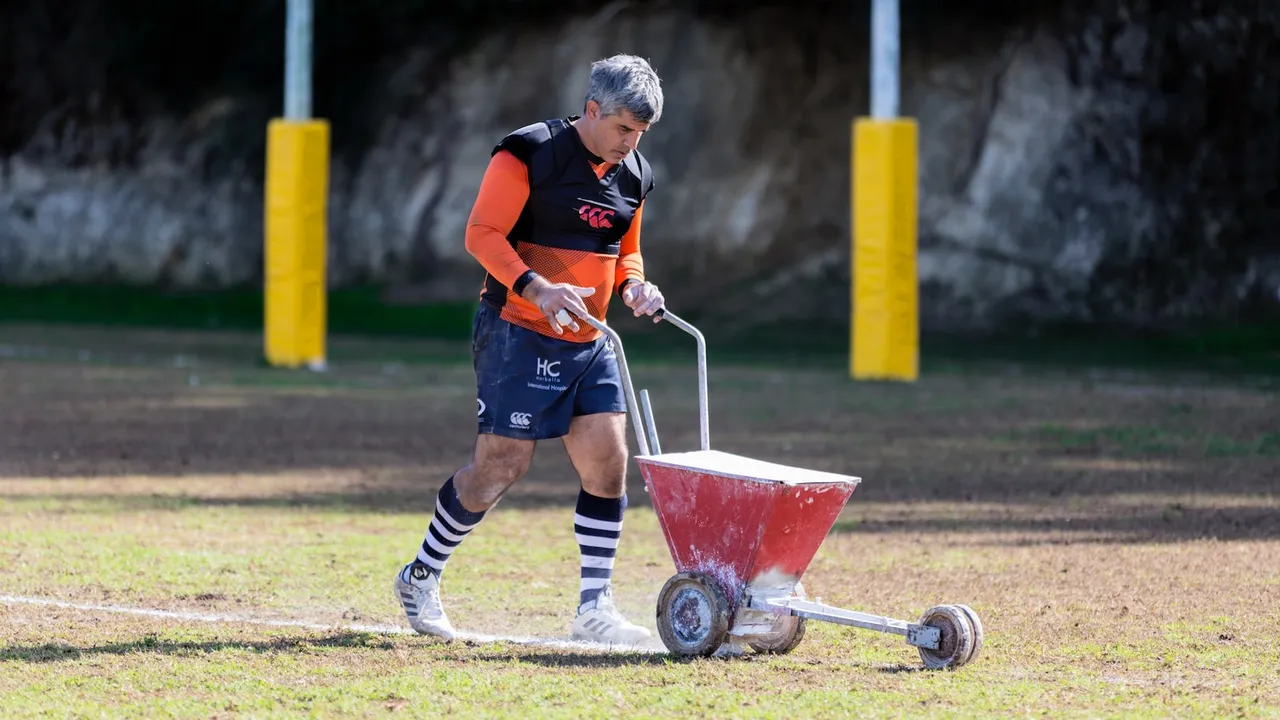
column 884, row 59
column 297, row 60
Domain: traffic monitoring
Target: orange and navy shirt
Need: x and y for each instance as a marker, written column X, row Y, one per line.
column 548, row 205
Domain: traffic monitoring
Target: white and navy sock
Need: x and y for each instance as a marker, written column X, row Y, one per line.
column 598, row 526
column 449, row 526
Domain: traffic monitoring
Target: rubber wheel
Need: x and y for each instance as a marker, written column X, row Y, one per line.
column 955, row 646
column 977, row 631
column 786, row 638
column 693, row 615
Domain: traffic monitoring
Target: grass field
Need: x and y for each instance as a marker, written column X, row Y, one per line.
column 1118, row 531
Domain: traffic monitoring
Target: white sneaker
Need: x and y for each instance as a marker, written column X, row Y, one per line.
column 418, row 590
column 600, row 621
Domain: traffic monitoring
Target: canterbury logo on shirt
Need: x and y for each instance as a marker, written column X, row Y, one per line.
column 596, row 217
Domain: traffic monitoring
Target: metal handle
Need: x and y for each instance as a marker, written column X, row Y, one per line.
column 637, row 418
column 703, row 420
column 651, row 427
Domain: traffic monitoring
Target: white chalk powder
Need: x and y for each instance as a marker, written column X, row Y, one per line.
column 722, row 463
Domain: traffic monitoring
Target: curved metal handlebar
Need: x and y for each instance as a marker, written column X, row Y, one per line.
column 637, row 418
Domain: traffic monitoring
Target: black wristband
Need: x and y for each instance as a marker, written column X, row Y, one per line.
column 625, row 283
column 523, row 281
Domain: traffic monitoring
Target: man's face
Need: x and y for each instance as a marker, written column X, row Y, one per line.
column 615, row 136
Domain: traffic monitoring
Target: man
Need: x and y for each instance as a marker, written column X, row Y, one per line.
column 556, row 226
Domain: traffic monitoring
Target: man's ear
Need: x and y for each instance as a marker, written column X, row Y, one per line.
column 593, row 110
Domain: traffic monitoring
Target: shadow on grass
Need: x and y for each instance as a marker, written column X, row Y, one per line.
column 570, row 659
column 904, row 669
column 461, row 653
column 587, row 661
column 152, row 645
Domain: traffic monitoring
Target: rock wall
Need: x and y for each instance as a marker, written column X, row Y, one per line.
column 1096, row 163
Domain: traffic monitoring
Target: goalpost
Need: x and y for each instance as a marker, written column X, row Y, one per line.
column 884, row 295
column 297, row 184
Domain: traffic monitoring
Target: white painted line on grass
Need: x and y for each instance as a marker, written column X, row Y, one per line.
column 376, row 629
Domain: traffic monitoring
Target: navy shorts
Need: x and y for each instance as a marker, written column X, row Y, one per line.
column 531, row 386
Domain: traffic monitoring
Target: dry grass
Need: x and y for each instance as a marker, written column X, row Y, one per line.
column 1117, row 535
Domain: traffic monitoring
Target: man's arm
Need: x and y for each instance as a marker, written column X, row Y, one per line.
column 642, row 296
column 503, row 192
column 630, row 265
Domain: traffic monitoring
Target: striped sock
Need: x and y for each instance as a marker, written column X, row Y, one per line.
column 449, row 526
column 597, row 525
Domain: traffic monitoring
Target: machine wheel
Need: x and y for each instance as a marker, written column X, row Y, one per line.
column 955, row 647
column 977, row 631
column 789, row 634
column 782, row 641
column 693, row 615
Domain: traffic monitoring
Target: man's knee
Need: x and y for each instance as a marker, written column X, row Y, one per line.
column 505, row 464
column 498, row 463
column 597, row 447
column 611, row 464
column 607, row 479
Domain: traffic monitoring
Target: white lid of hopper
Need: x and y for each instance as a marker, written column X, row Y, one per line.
column 722, row 463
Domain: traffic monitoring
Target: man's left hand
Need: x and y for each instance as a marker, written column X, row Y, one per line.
column 643, row 298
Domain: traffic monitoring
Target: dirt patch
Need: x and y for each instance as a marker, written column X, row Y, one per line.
column 365, row 435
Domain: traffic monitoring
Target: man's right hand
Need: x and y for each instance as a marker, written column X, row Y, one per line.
column 551, row 298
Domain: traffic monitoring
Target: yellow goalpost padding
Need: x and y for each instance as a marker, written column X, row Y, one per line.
column 297, row 186
column 884, row 296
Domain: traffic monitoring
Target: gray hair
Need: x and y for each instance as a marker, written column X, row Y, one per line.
column 626, row 82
